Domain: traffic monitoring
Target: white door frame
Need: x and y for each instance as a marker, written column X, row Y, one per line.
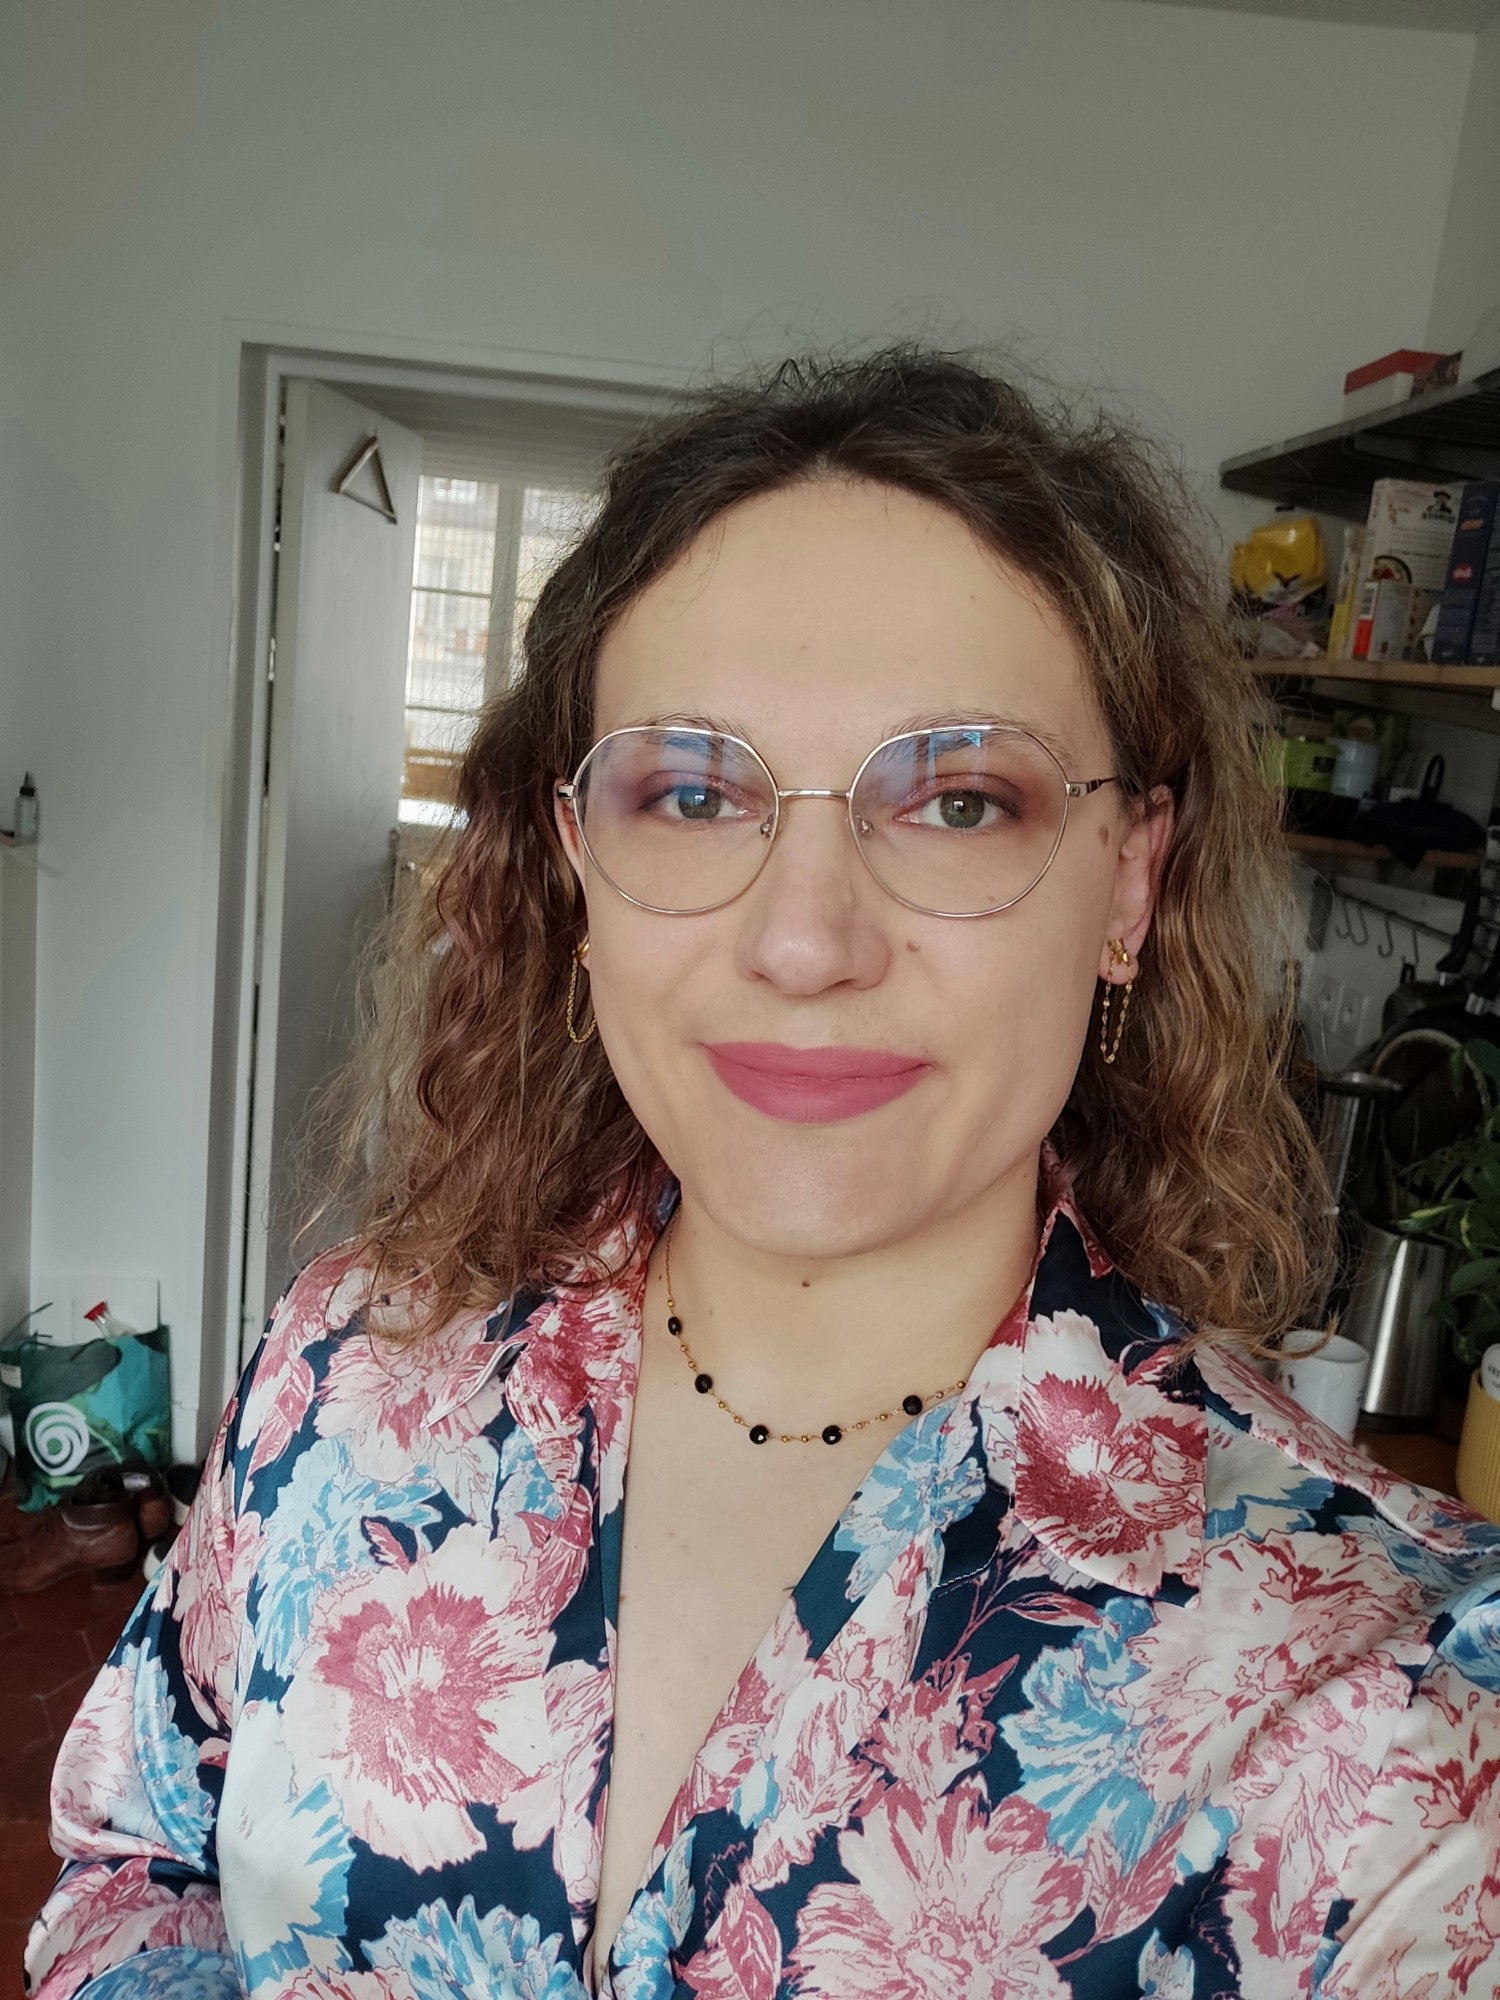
column 245, row 616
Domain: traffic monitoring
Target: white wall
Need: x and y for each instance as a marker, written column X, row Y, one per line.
column 1468, row 275
column 1194, row 207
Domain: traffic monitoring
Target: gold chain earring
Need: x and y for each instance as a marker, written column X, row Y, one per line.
column 580, row 953
column 1120, row 956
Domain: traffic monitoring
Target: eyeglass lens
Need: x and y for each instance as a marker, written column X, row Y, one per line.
column 953, row 821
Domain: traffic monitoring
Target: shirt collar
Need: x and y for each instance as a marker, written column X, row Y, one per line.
column 1086, row 1409
column 1110, row 1434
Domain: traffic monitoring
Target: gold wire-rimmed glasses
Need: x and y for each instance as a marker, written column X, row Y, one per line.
column 958, row 820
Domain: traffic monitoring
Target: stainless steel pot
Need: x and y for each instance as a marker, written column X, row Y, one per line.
column 1397, row 1282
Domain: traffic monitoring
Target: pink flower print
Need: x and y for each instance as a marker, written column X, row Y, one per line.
column 728, row 1774
column 1440, row 1793
column 742, row 1958
column 935, row 1729
column 560, row 1555
column 584, row 1350
column 380, row 1401
column 1280, row 1883
column 807, row 1777
column 1108, row 1471
column 1286, row 1613
column 1278, row 1420
column 96, row 1773
column 388, row 1983
column 422, row 1687
column 946, row 1900
column 208, row 1633
column 120, row 1912
column 379, row 1398
column 580, row 1708
column 278, row 1420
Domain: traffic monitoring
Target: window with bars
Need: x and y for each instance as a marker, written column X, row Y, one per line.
column 484, row 550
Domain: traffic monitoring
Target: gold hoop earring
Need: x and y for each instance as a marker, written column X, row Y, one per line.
column 580, row 953
column 1111, row 1049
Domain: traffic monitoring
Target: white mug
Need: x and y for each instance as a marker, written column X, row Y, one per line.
column 1328, row 1383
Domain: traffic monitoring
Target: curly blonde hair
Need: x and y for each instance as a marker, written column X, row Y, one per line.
column 482, row 1150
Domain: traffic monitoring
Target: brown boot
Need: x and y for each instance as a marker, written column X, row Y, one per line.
column 15, row 1523
column 102, row 1537
column 153, row 1505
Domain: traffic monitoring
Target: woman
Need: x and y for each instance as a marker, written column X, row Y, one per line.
column 978, row 1622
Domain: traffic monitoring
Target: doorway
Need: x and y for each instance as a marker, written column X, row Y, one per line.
column 395, row 526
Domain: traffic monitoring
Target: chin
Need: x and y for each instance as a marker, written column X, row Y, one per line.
column 791, row 1199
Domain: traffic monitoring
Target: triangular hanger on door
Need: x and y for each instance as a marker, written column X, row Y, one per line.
column 367, row 454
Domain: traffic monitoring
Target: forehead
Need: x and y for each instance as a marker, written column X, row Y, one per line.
column 831, row 612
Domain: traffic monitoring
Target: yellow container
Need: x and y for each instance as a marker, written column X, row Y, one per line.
column 1478, row 1476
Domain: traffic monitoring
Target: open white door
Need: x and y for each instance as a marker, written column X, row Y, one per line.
column 343, row 593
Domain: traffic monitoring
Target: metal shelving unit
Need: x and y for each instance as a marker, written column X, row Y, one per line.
column 1449, row 434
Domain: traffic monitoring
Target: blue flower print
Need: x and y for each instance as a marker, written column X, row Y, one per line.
column 275, row 1936
column 525, row 1487
column 180, row 1812
column 1163, row 1974
column 1473, row 1643
column 930, row 1475
column 456, row 1954
column 317, row 1534
column 654, row 1927
column 177, row 1972
column 1077, row 1750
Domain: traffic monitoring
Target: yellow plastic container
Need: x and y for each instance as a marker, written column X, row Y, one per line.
column 1478, row 1475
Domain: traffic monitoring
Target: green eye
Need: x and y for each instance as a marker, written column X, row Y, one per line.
column 962, row 811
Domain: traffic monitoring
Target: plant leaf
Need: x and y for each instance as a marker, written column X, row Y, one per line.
column 1471, row 1276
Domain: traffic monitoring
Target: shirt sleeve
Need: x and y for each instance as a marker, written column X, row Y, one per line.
column 1419, row 1914
column 136, row 1788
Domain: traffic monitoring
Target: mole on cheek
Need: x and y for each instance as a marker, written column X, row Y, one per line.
column 912, row 945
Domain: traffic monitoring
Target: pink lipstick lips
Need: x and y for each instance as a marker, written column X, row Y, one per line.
column 813, row 1086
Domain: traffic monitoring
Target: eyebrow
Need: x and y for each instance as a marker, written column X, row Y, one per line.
column 967, row 718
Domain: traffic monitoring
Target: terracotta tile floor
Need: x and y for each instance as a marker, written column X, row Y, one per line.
column 51, row 1645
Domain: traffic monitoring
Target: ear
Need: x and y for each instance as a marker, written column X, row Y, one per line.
column 1137, row 873
column 567, row 832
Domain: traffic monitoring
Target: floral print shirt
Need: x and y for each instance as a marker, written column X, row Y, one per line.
column 1117, row 1676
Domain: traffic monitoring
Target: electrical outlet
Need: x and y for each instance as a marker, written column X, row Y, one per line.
column 1349, row 1017
column 1326, row 1003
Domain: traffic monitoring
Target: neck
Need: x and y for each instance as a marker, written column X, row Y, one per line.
column 809, row 1340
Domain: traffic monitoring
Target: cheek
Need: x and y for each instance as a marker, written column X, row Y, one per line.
column 1006, row 1009
column 646, row 977
column 1011, row 1005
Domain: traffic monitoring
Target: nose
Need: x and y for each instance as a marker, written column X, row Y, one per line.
column 813, row 918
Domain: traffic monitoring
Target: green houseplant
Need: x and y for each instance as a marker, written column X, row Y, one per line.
column 1456, row 1192
column 1458, row 1196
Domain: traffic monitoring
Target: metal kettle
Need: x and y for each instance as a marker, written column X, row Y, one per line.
column 1397, row 1283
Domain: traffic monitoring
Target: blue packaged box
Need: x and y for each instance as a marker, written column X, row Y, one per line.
column 1473, row 545
column 1461, row 599
column 1484, row 639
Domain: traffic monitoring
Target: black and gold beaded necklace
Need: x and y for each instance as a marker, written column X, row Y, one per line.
column 912, row 1405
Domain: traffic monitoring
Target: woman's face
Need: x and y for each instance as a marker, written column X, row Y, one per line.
column 815, row 622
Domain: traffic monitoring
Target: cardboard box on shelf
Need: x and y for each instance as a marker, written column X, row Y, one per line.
column 1406, row 371
column 1384, row 620
column 1408, row 539
column 1466, row 566
column 1345, row 603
